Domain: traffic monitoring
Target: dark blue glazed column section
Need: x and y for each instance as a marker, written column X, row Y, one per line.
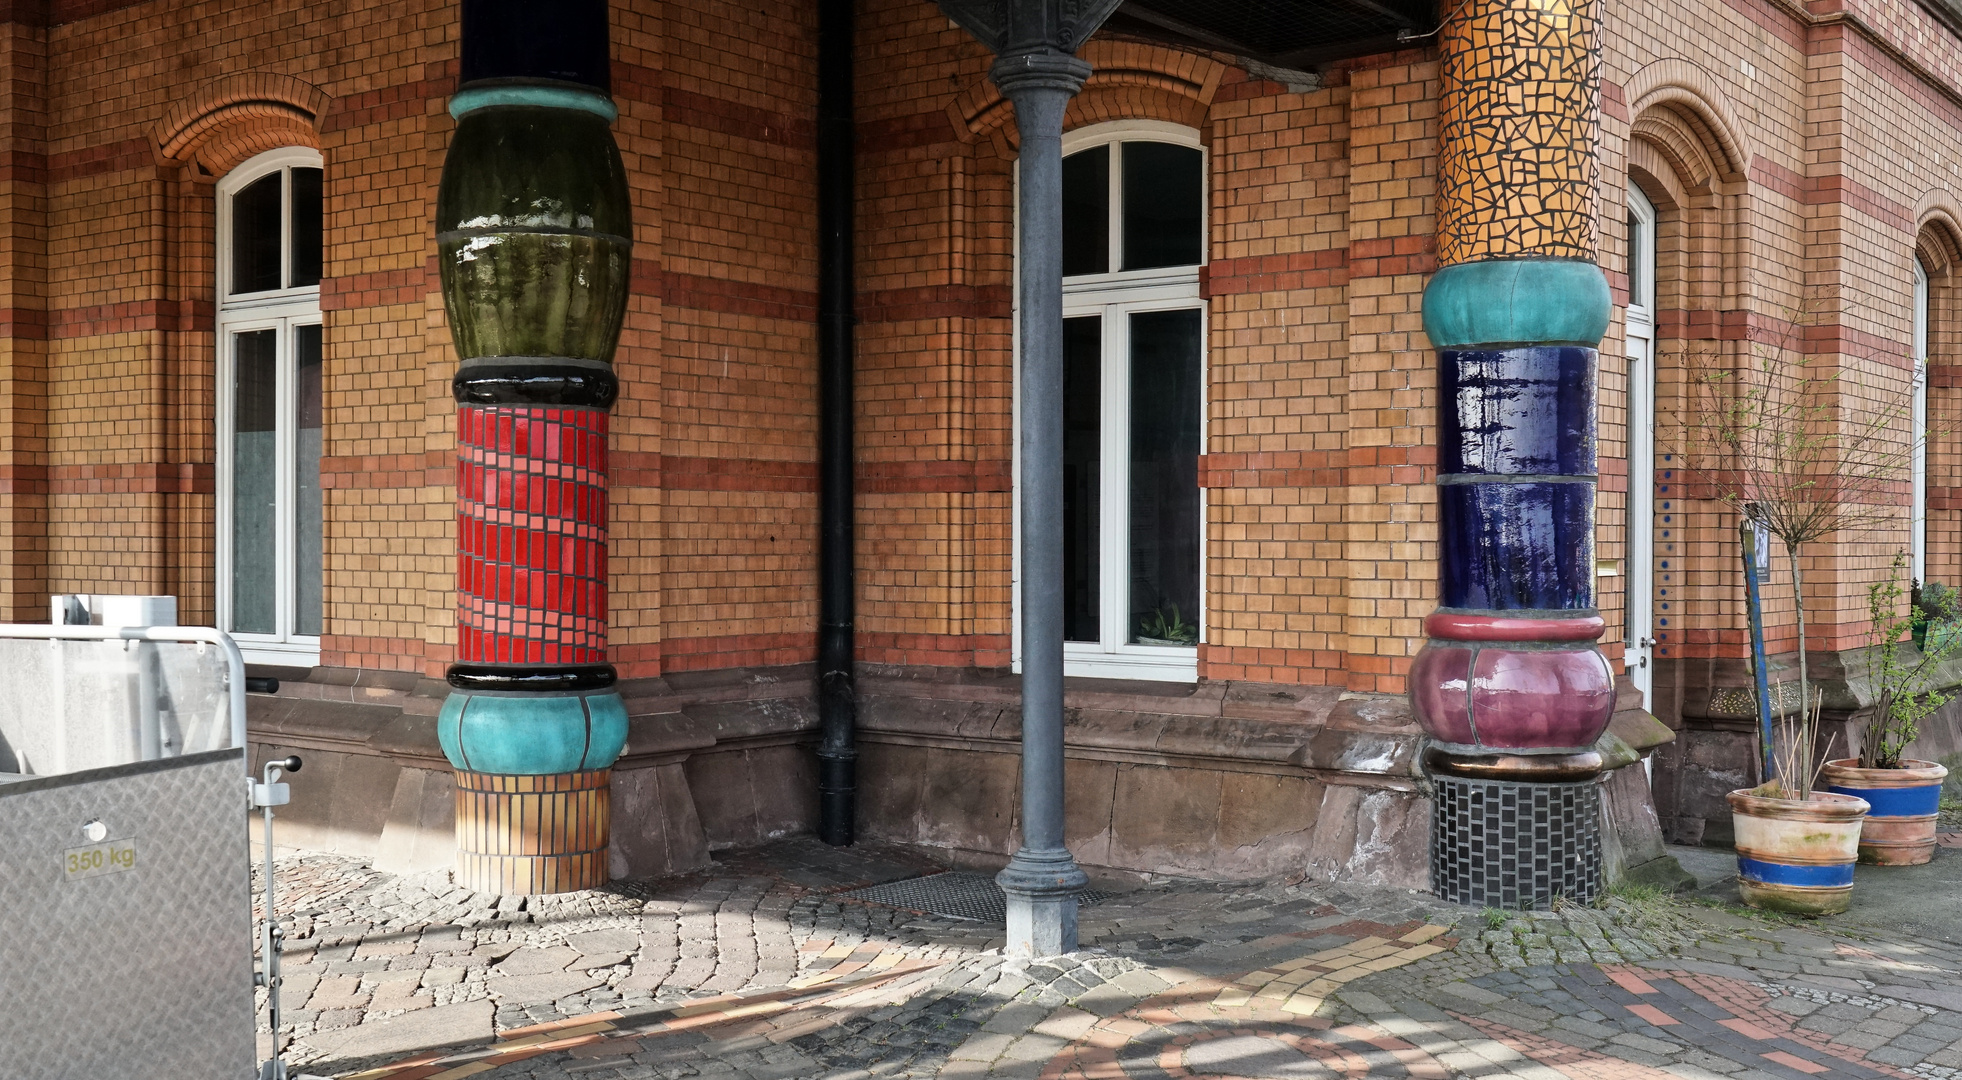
column 1510, row 683
column 1516, row 465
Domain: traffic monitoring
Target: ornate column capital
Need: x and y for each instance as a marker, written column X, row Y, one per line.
column 1034, row 72
column 1009, row 27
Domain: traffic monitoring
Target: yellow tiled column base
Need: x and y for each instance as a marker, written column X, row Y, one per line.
column 520, row 835
column 1302, row 984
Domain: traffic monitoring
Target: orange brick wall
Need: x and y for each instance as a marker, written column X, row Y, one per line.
column 23, row 322
column 1794, row 162
column 1797, row 162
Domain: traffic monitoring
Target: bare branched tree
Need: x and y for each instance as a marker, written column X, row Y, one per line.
column 1802, row 447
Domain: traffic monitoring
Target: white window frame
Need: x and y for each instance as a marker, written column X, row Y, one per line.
column 1918, row 426
column 1115, row 296
column 282, row 310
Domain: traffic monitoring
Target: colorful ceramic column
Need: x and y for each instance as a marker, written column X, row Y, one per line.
column 534, row 239
column 1511, row 686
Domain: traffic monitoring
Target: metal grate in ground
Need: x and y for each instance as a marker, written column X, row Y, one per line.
column 954, row 894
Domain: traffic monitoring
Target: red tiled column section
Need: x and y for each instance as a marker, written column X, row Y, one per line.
column 531, row 535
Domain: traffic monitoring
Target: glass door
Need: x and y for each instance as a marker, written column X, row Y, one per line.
column 1918, row 426
column 1640, row 335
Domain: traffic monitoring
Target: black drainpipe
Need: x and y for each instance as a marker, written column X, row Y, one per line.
column 837, row 701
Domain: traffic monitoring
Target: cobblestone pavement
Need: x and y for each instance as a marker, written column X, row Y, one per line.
column 759, row 969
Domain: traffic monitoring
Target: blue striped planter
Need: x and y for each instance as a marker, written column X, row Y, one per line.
column 1797, row 856
column 1900, row 829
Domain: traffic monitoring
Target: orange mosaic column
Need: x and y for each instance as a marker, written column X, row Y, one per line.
column 1511, row 686
column 1516, row 131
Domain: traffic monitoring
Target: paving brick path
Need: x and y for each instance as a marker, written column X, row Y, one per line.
column 758, row 970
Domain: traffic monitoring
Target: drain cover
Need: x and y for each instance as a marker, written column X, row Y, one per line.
column 957, row 895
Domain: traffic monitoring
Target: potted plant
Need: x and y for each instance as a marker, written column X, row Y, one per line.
column 1773, row 442
column 1905, row 793
column 1164, row 626
column 1930, row 603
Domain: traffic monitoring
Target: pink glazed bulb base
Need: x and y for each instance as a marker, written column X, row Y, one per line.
column 1486, row 686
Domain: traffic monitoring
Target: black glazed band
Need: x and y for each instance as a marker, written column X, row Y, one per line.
column 565, row 41
column 496, row 677
column 536, row 382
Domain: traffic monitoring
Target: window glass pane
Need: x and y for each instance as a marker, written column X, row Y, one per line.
column 1082, row 459
column 255, row 483
column 1165, row 477
column 1086, row 212
column 306, row 228
column 1161, row 205
column 1638, row 261
column 306, row 482
column 255, row 236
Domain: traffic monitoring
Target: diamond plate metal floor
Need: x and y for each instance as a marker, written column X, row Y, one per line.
column 954, row 894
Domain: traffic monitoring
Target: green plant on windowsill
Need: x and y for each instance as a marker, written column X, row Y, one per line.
column 1164, row 626
column 1934, row 605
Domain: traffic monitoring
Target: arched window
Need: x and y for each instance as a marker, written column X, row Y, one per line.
column 269, row 405
column 1134, row 237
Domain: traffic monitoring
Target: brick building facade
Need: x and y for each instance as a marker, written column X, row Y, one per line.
column 1796, row 159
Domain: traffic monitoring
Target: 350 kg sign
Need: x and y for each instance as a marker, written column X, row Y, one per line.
column 108, row 857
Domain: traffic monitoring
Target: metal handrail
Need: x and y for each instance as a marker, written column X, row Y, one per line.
column 234, row 660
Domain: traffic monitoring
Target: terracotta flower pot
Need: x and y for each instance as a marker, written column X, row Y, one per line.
column 1797, row 856
column 1900, row 829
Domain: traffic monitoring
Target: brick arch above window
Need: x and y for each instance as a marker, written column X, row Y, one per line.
column 1683, row 149
column 230, row 120
column 1128, row 81
column 1659, row 173
column 1686, row 157
column 1938, row 235
column 1680, row 98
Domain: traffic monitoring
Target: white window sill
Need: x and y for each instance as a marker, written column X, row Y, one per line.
column 279, row 653
column 1149, row 663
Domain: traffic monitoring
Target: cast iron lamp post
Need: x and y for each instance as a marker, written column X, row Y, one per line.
column 1034, row 42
